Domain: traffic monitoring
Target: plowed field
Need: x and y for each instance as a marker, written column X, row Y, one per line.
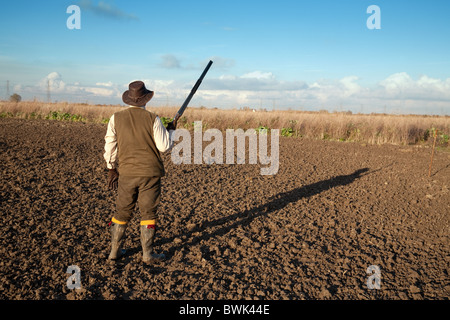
column 310, row 232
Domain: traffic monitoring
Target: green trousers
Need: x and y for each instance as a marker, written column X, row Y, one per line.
column 143, row 191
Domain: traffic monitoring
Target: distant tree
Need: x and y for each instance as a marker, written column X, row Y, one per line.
column 15, row 98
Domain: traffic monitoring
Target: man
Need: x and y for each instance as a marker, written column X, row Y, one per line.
column 134, row 140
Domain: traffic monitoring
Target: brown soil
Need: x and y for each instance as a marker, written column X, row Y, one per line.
column 310, row 232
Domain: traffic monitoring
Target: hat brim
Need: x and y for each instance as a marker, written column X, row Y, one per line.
column 142, row 101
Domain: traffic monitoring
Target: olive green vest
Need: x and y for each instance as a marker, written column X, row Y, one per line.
column 136, row 148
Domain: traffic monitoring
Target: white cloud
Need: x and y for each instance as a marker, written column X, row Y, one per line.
column 160, row 85
column 227, row 77
column 258, row 75
column 397, row 81
column 104, row 84
column 255, row 81
column 402, row 86
column 219, row 62
column 169, row 61
column 100, row 91
column 350, row 86
column 398, row 92
column 53, row 81
column 59, row 90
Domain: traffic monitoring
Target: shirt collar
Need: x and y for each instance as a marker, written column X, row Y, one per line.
column 143, row 107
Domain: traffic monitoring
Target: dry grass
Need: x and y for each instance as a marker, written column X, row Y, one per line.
column 41, row 110
column 371, row 129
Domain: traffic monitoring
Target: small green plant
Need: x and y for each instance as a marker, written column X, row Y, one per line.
column 445, row 138
column 262, row 129
column 77, row 118
column 186, row 125
column 6, row 115
column 166, row 121
column 53, row 115
column 64, row 116
column 287, row 132
column 441, row 137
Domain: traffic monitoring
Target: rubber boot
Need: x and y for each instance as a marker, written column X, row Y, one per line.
column 117, row 235
column 147, row 238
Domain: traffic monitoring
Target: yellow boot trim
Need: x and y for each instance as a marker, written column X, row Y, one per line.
column 148, row 222
column 118, row 222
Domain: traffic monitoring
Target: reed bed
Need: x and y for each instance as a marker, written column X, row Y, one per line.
column 340, row 126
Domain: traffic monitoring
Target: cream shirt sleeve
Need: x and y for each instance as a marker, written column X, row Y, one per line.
column 162, row 137
column 110, row 154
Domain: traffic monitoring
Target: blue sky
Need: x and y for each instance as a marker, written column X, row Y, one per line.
column 307, row 55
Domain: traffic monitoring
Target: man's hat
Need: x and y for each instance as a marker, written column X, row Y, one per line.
column 137, row 95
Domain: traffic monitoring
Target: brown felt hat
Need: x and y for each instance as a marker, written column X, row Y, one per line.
column 137, row 94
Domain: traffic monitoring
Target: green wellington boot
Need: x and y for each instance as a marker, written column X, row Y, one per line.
column 117, row 235
column 147, row 238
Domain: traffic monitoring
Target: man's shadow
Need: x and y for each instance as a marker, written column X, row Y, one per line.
column 245, row 217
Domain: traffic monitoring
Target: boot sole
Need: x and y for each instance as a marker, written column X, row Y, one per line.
column 160, row 258
column 120, row 255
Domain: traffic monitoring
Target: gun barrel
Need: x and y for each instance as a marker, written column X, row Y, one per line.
column 193, row 91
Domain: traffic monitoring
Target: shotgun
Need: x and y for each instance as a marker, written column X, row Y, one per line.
column 193, row 91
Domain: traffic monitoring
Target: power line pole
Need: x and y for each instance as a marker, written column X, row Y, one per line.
column 48, row 90
column 7, row 90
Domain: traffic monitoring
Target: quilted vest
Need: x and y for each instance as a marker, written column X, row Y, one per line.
column 136, row 148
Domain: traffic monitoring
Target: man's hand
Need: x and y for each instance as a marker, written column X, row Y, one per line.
column 172, row 125
column 113, row 179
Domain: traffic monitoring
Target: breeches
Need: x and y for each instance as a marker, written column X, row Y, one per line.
column 143, row 191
